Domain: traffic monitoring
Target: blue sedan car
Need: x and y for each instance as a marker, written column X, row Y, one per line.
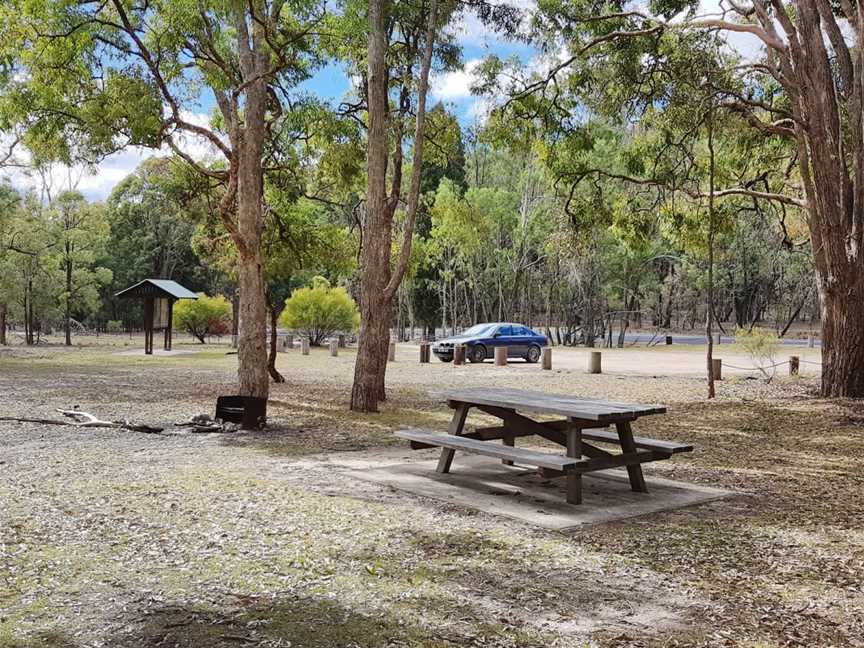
column 480, row 341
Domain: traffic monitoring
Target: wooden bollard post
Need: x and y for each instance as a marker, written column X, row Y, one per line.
column 334, row 348
column 594, row 363
column 304, row 346
column 341, row 341
column 459, row 354
column 546, row 358
column 668, row 341
column 501, row 356
column 424, row 352
column 391, row 352
column 289, row 341
column 717, row 368
column 793, row 365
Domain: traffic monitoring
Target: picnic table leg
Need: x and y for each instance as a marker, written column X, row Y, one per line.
column 574, row 480
column 508, row 441
column 457, row 423
column 625, row 436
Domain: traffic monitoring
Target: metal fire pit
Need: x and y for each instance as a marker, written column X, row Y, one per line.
column 249, row 411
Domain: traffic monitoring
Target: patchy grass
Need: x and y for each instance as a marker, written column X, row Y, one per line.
column 120, row 539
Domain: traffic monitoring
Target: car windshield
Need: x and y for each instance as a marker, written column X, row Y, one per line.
column 477, row 330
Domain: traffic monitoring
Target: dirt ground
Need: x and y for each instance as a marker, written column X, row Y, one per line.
column 112, row 538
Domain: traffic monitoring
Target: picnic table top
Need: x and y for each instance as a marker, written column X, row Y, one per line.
column 541, row 402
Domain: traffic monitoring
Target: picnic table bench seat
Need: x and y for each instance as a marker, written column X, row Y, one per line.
column 550, row 464
column 656, row 445
column 431, row 439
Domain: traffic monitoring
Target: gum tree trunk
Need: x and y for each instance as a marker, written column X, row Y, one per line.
column 3, row 310
column 252, row 338
column 843, row 337
column 274, row 342
column 831, row 152
column 378, row 283
column 67, row 314
column 371, row 363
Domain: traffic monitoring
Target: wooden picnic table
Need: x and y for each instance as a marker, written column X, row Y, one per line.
column 583, row 420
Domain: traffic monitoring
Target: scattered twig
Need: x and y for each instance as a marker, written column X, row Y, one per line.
column 204, row 424
column 85, row 419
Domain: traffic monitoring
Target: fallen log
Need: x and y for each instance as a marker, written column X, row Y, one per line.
column 78, row 418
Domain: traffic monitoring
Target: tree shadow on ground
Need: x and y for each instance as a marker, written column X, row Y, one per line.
column 295, row 621
column 43, row 639
column 519, row 585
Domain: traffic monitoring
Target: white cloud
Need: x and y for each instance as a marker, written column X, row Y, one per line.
column 96, row 184
column 455, row 84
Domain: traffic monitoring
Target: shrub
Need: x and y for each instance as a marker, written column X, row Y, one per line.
column 320, row 311
column 203, row 316
column 761, row 345
column 114, row 326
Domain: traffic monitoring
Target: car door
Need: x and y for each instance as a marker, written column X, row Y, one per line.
column 501, row 337
column 519, row 340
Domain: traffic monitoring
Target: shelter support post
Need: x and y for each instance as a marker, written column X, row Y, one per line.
column 148, row 325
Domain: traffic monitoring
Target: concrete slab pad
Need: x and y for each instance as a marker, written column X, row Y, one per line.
column 485, row 484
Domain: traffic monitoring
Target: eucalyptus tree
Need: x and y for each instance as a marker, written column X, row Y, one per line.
column 9, row 203
column 29, row 271
column 805, row 89
column 91, row 78
column 152, row 215
column 80, row 232
column 400, row 42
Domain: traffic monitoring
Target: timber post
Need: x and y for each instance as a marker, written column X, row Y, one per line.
column 148, row 325
column 289, row 341
column 334, row 348
column 594, row 360
column 424, row 352
column 501, row 356
column 668, row 339
column 341, row 341
column 304, row 346
column 459, row 354
column 793, row 365
column 717, row 368
column 391, row 352
column 169, row 327
column 546, row 358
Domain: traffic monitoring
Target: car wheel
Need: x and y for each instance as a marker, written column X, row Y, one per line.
column 478, row 353
column 450, row 359
column 533, row 354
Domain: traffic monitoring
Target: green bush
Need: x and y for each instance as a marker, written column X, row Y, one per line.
column 761, row 345
column 114, row 326
column 203, row 316
column 320, row 311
